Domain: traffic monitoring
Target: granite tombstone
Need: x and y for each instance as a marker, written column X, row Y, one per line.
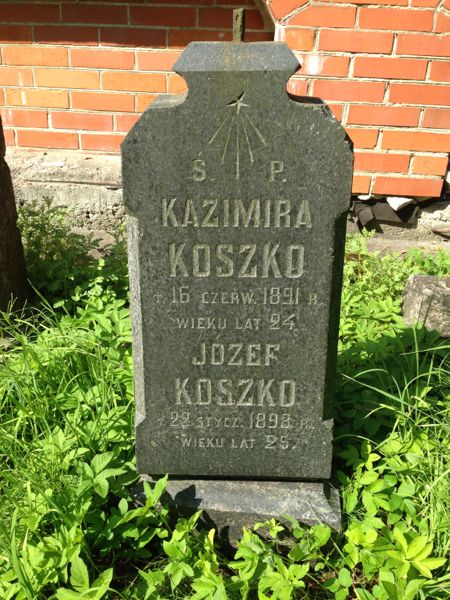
column 237, row 197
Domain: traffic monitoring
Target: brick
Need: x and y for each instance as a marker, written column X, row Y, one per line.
column 324, row 65
column 182, row 37
column 397, row 116
column 361, row 91
column 176, row 84
column 389, row 68
column 102, row 101
column 94, row 13
column 430, row 165
column 297, row 87
column 133, row 36
column 423, row 141
column 361, row 184
column 15, row 76
column 258, row 36
column 24, row 118
column 381, row 2
column 157, row 60
column 223, row 18
column 15, row 12
column 88, row 36
column 440, row 70
column 436, row 118
column 10, row 139
column 408, row 186
column 133, row 82
column 15, row 33
column 67, row 78
column 411, row 93
column 299, row 39
column 101, row 59
column 47, row 139
column 337, row 110
column 370, row 42
column 281, row 8
column 89, row 121
column 423, row 45
column 162, row 16
column 325, row 16
column 104, row 143
column 381, row 162
column 37, row 98
column 397, row 19
column 22, row 55
column 442, row 24
column 124, row 122
column 143, row 100
column 424, row 3
column 362, row 138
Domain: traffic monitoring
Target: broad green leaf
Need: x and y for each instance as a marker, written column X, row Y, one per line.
column 432, row 563
column 388, row 583
column 364, row 595
column 407, row 489
column 101, row 461
column 63, row 594
column 425, row 552
column 101, row 486
column 410, row 591
column 351, row 500
column 103, row 581
column 79, row 576
column 368, row 502
column 400, row 539
column 345, row 578
column 368, row 477
column 416, row 546
column 321, row 534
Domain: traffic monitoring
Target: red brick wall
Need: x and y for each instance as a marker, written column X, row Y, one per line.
column 384, row 69
column 77, row 74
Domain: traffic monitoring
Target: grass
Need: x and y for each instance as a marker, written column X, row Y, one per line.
column 69, row 528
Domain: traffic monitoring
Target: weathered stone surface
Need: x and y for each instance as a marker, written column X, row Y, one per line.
column 13, row 276
column 427, row 302
column 238, row 200
column 231, row 505
column 90, row 185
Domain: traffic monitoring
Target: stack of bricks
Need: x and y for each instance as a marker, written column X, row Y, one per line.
column 77, row 74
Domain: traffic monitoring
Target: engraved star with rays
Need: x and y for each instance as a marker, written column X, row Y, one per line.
column 238, row 129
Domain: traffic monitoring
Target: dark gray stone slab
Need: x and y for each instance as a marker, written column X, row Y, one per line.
column 238, row 198
column 13, row 274
column 427, row 302
column 232, row 505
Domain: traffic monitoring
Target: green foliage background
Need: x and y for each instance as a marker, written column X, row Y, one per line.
column 69, row 528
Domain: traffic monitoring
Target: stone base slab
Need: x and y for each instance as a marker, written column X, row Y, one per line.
column 230, row 505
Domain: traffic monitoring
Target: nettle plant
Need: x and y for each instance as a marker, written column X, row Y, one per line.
column 70, row 526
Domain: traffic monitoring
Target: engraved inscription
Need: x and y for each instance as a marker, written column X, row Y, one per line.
column 235, row 212
column 235, row 392
column 276, row 168
column 270, row 260
column 236, row 355
column 237, row 129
